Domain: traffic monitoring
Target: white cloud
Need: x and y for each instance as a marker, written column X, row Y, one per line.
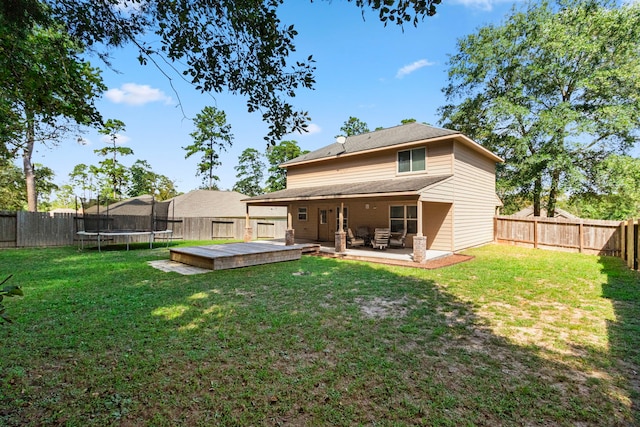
column 135, row 94
column 408, row 69
column 312, row 129
column 120, row 139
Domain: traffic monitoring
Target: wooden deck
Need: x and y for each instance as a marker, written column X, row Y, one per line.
column 236, row 255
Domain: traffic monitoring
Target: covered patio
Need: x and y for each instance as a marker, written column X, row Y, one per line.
column 411, row 207
column 364, row 253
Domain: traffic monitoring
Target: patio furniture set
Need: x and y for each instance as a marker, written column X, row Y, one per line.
column 382, row 238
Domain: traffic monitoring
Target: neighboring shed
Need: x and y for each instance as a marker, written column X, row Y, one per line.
column 219, row 204
column 560, row 213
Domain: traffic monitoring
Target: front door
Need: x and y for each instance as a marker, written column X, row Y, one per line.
column 323, row 224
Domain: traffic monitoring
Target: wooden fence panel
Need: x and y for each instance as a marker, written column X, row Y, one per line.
column 587, row 236
column 35, row 229
column 631, row 243
column 8, row 229
column 630, row 251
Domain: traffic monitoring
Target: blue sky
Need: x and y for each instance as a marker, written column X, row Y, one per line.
column 379, row 75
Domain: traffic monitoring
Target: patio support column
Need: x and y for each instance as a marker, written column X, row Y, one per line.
column 420, row 240
column 341, row 236
column 289, row 234
column 248, row 231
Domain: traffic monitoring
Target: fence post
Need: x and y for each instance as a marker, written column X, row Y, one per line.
column 535, row 233
column 630, row 248
column 623, row 241
column 581, row 235
column 638, row 246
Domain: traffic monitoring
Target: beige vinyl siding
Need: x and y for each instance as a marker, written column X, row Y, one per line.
column 474, row 198
column 368, row 167
column 305, row 229
column 441, row 192
column 377, row 215
column 440, row 158
column 437, row 220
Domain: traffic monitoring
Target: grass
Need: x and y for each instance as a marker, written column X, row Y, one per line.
column 513, row 337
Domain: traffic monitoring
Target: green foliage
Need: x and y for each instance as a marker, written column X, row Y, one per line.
column 85, row 178
column 212, row 134
column 611, row 191
column 12, row 194
column 145, row 181
column 250, row 174
column 547, row 92
column 46, row 89
column 241, row 47
column 284, row 151
column 116, row 173
column 7, row 291
column 44, row 185
column 353, row 126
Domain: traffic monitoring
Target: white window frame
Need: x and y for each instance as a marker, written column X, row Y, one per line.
column 405, row 218
column 303, row 213
column 411, row 169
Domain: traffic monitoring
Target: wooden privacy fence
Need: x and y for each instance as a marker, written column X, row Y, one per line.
column 613, row 238
column 587, row 236
column 228, row 228
column 38, row 229
column 631, row 243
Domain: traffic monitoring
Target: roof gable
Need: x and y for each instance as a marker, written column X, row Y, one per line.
column 397, row 135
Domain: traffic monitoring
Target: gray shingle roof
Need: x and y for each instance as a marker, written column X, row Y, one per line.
column 387, row 187
column 402, row 134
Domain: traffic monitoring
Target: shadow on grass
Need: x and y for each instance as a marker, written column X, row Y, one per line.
column 106, row 338
column 623, row 289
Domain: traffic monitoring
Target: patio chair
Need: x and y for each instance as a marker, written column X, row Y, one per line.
column 380, row 238
column 353, row 240
column 398, row 239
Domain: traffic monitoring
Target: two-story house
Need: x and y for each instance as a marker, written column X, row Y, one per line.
column 434, row 183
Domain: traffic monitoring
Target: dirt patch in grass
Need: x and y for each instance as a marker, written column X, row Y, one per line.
column 381, row 308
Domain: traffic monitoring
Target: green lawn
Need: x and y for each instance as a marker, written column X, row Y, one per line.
column 513, row 337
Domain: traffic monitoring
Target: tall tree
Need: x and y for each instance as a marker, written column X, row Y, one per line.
column 117, row 173
column 237, row 46
column 12, row 195
column 353, row 126
column 551, row 90
column 611, row 191
column 145, row 181
column 212, row 134
column 284, row 151
column 45, row 185
column 83, row 181
column 250, row 173
column 46, row 89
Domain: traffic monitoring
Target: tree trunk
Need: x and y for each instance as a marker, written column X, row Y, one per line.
column 553, row 193
column 537, row 195
column 29, row 173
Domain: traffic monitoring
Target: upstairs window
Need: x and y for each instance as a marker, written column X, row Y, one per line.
column 412, row 160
